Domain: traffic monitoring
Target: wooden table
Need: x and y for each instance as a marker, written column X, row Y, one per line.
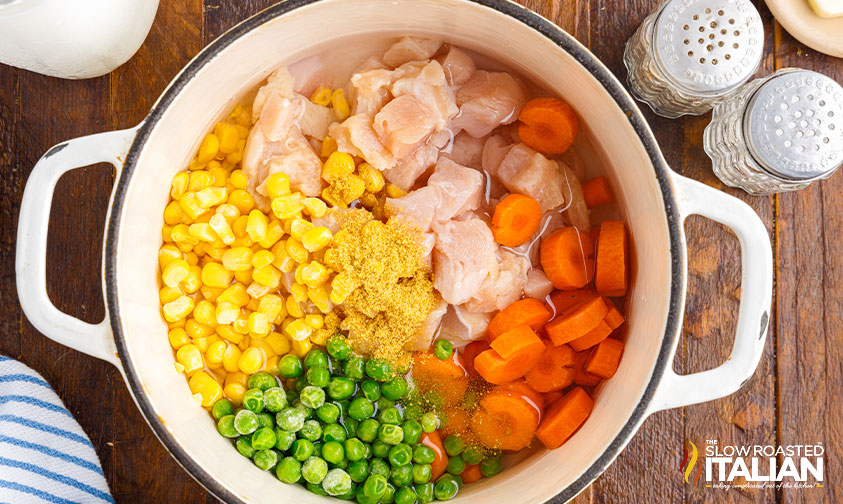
column 793, row 398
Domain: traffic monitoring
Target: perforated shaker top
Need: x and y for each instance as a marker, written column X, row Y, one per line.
column 794, row 125
column 709, row 46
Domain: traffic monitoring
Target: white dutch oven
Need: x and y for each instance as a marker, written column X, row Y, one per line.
column 653, row 199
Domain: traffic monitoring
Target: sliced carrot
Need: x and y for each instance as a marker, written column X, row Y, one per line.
column 553, row 370
column 576, row 321
column 566, row 257
column 596, row 192
column 454, row 420
column 563, row 300
column 471, row 473
column 613, row 319
column 439, row 380
column 495, row 369
column 552, row 397
column 548, row 125
column 520, row 343
column 440, row 463
column 470, row 352
column 581, row 376
column 605, row 358
column 612, row 275
column 592, row 337
column 504, row 421
column 565, row 417
column 521, row 389
column 528, row 311
column 516, row 220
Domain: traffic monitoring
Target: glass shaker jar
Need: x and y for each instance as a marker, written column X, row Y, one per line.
column 688, row 54
column 778, row 133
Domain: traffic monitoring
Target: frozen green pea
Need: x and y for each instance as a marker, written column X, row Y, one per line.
column 334, row 432
column 423, row 454
column 395, row 388
column 390, row 416
column 253, row 400
column 370, row 389
column 473, row 454
column 354, row 449
column 302, row 449
column 378, row 466
column 308, row 411
column 328, row 413
column 246, row 422
column 318, row 376
column 221, row 408
column 490, row 466
column 290, row 419
column 361, row 408
column 314, row 470
column 263, row 438
column 368, row 430
column 400, row 454
column 355, row 368
column 275, row 399
column 333, row 452
column 350, row 425
column 446, row 487
column 443, row 349
column 454, row 445
column 338, row 347
column 342, row 464
column 225, row 426
column 336, row 482
column 429, row 422
column 300, row 384
column 388, row 496
column 265, row 459
column 401, row 476
column 290, row 366
column 316, row 489
column 315, row 358
column 379, row 369
column 262, row 381
column 283, row 439
column 391, row 434
column 380, row 449
column 311, row 430
column 317, row 450
column 288, row 470
column 412, row 431
column 424, row 493
column 422, row 473
column 358, row 470
column 244, row 446
column 456, row 465
column 312, row 397
column 361, row 497
column 266, row 419
column 375, row 486
column 340, row 388
column 405, row 495
column 384, row 403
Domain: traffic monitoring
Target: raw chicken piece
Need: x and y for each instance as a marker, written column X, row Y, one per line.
column 403, row 124
column 309, row 74
column 488, row 100
column 460, row 189
column 494, row 150
column 316, row 119
column 416, row 208
column 537, row 286
column 465, row 254
column 458, row 66
column 410, row 49
column 295, row 157
column 427, row 242
column 280, row 83
column 278, row 115
column 466, row 150
column 523, row 170
column 461, row 327
column 577, row 211
column 502, row 288
column 356, row 137
column 430, row 327
column 407, row 170
column 427, row 83
column 371, row 90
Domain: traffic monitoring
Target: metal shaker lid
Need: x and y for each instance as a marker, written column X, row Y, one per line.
column 793, row 125
column 708, row 46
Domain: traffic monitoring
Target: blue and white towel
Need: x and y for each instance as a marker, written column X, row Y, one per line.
column 44, row 454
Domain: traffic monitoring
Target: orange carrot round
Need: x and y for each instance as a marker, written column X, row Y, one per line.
column 516, row 220
column 528, row 311
column 567, row 258
column 520, row 388
column 440, row 463
column 504, row 422
column 563, row 300
column 470, row 352
column 614, row 318
column 520, row 343
column 471, row 473
column 581, row 376
column 548, row 125
column 612, row 275
column 444, row 379
column 565, row 417
column 596, row 192
column 553, row 370
column 605, row 358
column 495, row 369
column 592, row 337
column 576, row 321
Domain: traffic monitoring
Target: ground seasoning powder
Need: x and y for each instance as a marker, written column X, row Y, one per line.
column 392, row 289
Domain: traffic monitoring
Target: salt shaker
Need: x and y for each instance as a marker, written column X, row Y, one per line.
column 778, row 133
column 689, row 54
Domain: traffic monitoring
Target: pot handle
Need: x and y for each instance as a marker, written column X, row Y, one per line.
column 31, row 254
column 756, row 294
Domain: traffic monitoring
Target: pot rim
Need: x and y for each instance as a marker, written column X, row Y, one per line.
column 545, row 27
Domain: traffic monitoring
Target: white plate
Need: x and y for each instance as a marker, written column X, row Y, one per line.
column 821, row 34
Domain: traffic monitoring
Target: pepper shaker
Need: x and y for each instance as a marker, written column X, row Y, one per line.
column 778, row 133
column 689, row 54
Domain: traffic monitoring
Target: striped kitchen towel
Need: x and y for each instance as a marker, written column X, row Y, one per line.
column 44, row 454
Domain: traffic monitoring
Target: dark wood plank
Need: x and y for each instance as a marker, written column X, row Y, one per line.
column 11, row 189
column 810, row 315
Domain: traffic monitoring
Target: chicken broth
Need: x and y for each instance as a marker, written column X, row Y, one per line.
column 399, row 254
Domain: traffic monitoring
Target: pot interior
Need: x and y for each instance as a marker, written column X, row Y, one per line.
column 215, row 81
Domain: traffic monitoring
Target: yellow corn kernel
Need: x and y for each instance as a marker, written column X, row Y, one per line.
column 242, row 200
column 259, row 325
column 267, row 275
column 329, row 145
column 190, row 357
column 239, row 227
column 297, row 274
column 229, row 211
column 314, row 274
column 371, row 176
column 181, row 235
column 253, row 303
column 203, row 232
column 282, row 261
column 226, row 313
column 298, row 227
column 272, row 365
column 179, row 368
column 337, row 166
column 201, row 383
column 300, row 348
column 218, row 174
column 189, row 204
column 241, row 325
column 215, row 275
column 168, row 294
column 178, row 338
column 256, row 291
column 195, row 165
column 191, row 258
column 296, row 250
column 168, row 254
column 262, row 258
column 271, row 305
column 166, row 233
column 320, row 298
column 368, row 200
column 340, row 104
column 199, row 249
column 196, row 330
column 178, row 324
column 228, row 333
column 237, row 156
column 175, row 272
column 341, row 286
column 237, row 259
column 294, row 308
column 193, row 281
column 278, row 184
column 329, row 195
column 321, row 96
column 274, row 232
column 211, row 196
column 299, row 293
column 256, row 225
column 173, row 213
column 244, row 277
column 199, row 180
column 280, row 344
column 228, row 137
column 215, row 250
column 179, row 185
column 235, row 377
column 235, row 393
column 314, row 207
column 215, row 352
column 393, row 191
column 251, row 361
column 263, row 345
column 314, row 321
column 205, row 313
column 316, row 238
column 236, row 295
column 287, row 205
column 209, row 293
column 238, row 179
column 208, row 149
column 221, row 227
column 298, row 330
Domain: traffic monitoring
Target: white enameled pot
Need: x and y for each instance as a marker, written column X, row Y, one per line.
column 653, row 199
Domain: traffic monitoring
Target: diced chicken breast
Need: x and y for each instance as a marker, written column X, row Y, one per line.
column 310, row 73
column 537, row 286
column 488, row 100
column 371, row 90
column 501, row 289
column 460, row 189
column 316, row 119
column 280, row 83
column 296, row 158
column 404, row 124
column 410, row 49
column 466, row 150
column 458, row 66
column 356, row 137
column 494, row 150
column 430, row 326
column 465, row 254
column 577, row 212
column 417, row 208
column 278, row 115
column 429, row 86
column 408, row 169
column 523, row 170
column 461, row 327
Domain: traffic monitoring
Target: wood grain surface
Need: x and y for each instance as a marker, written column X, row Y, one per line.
column 793, row 398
